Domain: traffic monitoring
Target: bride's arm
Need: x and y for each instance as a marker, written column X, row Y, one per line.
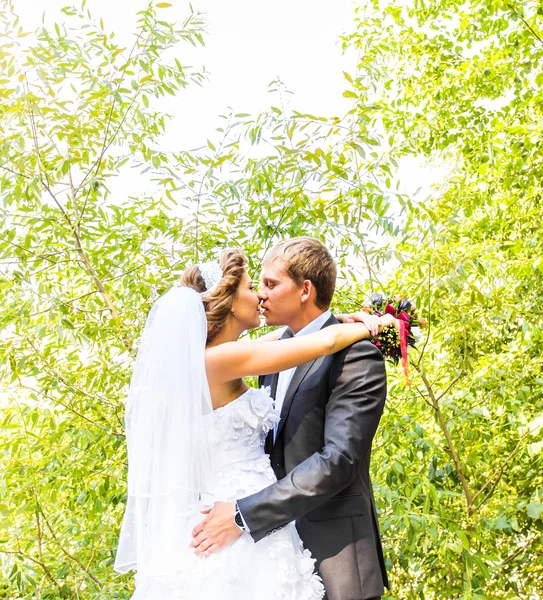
column 370, row 321
column 233, row 360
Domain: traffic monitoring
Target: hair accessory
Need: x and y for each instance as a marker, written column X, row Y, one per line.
column 212, row 274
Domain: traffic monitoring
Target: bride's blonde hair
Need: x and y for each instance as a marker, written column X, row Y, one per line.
column 218, row 304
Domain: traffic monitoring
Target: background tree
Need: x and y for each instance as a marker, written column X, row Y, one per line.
column 458, row 84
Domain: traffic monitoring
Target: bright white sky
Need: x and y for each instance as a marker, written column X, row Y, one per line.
column 249, row 44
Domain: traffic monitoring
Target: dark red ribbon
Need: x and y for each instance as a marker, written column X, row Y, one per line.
column 403, row 348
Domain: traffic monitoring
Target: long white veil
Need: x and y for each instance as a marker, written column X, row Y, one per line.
column 168, row 429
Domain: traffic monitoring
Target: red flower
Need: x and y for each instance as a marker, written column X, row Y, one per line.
column 390, row 310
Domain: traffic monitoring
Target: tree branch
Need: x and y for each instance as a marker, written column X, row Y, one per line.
column 39, row 257
column 67, row 384
column 105, row 143
column 450, row 386
column 15, row 172
column 71, row 409
column 498, row 473
column 519, row 551
column 64, row 551
column 37, row 562
column 79, row 247
column 423, row 349
column 525, row 23
column 448, row 438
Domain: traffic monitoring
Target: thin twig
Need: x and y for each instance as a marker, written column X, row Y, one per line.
column 525, row 23
column 448, row 438
column 519, row 551
column 37, row 562
column 71, row 409
column 450, row 386
column 79, row 246
column 498, row 473
column 15, row 172
column 56, row 374
column 65, row 552
column 41, row 257
column 429, row 314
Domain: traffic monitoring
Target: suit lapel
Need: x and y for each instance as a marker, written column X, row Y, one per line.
column 274, row 380
column 271, row 381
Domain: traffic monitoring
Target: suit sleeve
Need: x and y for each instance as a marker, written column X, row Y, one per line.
column 353, row 411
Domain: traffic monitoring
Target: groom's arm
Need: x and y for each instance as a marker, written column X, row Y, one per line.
column 358, row 383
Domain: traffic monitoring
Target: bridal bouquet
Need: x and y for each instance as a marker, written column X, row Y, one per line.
column 393, row 343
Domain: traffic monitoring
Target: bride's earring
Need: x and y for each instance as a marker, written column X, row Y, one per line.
column 234, row 314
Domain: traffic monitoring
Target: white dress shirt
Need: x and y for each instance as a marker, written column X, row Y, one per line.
column 285, row 377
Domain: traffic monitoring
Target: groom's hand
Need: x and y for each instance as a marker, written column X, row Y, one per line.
column 217, row 530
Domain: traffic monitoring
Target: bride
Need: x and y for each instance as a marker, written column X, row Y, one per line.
column 195, row 434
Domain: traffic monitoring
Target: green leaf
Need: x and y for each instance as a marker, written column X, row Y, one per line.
column 464, row 539
column 534, row 510
column 349, row 94
column 359, row 149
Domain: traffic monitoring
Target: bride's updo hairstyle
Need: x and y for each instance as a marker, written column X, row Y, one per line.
column 218, row 304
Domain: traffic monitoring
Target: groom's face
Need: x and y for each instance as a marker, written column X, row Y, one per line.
column 280, row 296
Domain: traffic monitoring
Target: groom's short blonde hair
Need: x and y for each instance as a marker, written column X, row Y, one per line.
column 307, row 258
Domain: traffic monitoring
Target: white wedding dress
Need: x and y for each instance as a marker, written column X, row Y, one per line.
column 275, row 568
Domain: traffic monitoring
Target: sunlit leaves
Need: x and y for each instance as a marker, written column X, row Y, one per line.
column 77, row 274
column 455, row 84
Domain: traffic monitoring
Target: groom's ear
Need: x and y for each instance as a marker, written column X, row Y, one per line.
column 308, row 291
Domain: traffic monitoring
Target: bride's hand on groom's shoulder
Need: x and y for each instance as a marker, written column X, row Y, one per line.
column 372, row 322
column 217, row 530
column 389, row 321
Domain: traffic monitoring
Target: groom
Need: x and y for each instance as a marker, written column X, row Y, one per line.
column 321, row 448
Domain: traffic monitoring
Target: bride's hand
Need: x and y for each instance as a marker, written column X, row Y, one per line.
column 344, row 319
column 372, row 322
column 389, row 321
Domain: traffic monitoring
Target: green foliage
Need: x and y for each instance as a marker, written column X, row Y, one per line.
column 462, row 496
column 76, row 111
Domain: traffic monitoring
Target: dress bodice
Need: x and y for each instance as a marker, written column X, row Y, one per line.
column 244, row 422
column 239, row 431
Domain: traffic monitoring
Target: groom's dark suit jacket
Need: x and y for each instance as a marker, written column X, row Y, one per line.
column 321, row 457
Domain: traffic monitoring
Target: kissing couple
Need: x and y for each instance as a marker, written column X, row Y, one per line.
column 244, row 493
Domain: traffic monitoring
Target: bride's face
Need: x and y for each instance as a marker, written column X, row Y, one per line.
column 246, row 304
